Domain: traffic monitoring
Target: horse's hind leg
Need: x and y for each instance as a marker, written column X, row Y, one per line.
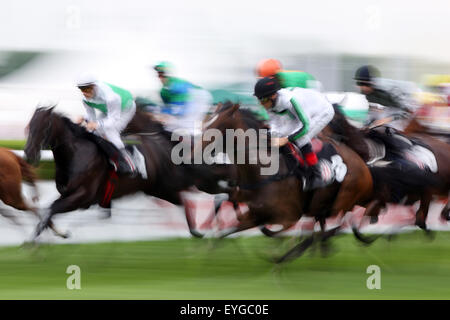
column 246, row 221
column 325, row 235
column 372, row 211
column 14, row 199
column 296, row 251
column 422, row 213
column 445, row 213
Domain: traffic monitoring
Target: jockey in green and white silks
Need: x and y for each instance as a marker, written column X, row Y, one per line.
column 109, row 110
column 301, row 114
column 296, row 115
column 188, row 103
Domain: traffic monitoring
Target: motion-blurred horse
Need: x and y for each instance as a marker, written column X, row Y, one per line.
column 279, row 198
column 84, row 176
column 14, row 170
column 441, row 151
column 401, row 178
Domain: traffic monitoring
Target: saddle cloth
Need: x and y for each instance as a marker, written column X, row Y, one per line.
column 331, row 165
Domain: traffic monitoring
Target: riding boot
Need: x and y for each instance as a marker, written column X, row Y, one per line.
column 125, row 164
column 314, row 178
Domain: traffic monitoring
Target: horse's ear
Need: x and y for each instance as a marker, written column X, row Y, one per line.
column 235, row 108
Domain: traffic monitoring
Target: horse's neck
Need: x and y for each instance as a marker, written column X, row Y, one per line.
column 62, row 142
column 414, row 127
column 254, row 173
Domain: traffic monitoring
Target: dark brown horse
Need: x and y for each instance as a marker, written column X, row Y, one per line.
column 278, row 198
column 14, row 170
column 399, row 177
column 441, row 151
column 84, row 177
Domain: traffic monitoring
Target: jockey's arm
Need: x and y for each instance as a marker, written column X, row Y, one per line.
column 90, row 112
column 113, row 106
column 303, row 119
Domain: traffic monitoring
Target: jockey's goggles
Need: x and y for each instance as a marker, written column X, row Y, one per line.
column 363, row 83
column 264, row 100
column 84, row 88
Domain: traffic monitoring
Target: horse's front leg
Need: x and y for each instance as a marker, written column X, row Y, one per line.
column 63, row 204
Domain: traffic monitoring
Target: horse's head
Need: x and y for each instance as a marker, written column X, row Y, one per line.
column 225, row 117
column 38, row 129
column 234, row 130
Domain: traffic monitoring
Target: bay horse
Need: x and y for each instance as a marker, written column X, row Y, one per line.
column 84, row 177
column 279, row 198
column 441, row 151
column 14, row 170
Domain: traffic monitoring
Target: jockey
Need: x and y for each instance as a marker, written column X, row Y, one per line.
column 117, row 108
column 365, row 80
column 185, row 101
column 302, row 114
column 286, row 78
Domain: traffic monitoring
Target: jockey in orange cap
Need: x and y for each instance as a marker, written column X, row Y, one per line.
column 286, row 78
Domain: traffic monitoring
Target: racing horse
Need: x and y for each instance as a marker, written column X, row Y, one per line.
column 83, row 175
column 279, row 198
column 14, row 170
column 401, row 178
column 441, row 151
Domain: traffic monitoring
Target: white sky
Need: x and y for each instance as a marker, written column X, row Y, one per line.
column 207, row 40
column 370, row 27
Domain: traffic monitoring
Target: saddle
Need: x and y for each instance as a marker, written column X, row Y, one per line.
column 396, row 147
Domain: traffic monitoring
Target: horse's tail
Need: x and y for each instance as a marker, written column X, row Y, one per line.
column 28, row 174
column 392, row 183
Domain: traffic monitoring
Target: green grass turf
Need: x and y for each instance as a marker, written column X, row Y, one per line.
column 13, row 144
column 412, row 267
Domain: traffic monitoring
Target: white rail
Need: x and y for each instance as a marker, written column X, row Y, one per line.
column 45, row 154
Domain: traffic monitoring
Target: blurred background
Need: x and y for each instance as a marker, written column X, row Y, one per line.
column 45, row 45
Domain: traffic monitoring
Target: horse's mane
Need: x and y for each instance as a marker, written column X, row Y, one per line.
column 76, row 129
column 348, row 134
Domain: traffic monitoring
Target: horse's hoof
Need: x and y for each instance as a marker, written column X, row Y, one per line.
column 66, row 235
column 196, row 234
column 430, row 234
column 421, row 224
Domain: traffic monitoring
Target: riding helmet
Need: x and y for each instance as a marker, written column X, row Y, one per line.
column 268, row 67
column 163, row 67
column 365, row 74
column 86, row 79
column 266, row 87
